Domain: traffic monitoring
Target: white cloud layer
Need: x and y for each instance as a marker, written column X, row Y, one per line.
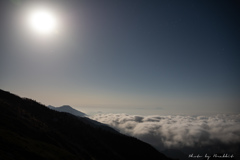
column 176, row 132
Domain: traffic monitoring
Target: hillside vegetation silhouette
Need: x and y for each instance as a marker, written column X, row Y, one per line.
column 30, row 130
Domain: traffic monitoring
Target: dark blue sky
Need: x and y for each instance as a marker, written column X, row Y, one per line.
column 172, row 55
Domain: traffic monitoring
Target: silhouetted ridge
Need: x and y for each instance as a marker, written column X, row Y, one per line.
column 68, row 109
column 29, row 130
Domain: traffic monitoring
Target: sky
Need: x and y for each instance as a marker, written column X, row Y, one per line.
column 137, row 57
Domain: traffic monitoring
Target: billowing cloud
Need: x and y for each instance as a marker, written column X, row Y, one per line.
column 178, row 132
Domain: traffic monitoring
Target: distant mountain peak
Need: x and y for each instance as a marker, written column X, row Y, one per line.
column 68, row 109
column 66, row 106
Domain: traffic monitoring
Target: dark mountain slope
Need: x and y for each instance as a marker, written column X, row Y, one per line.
column 29, row 130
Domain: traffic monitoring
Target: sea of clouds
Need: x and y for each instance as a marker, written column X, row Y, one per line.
column 218, row 133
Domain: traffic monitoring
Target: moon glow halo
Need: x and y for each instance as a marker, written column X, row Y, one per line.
column 43, row 22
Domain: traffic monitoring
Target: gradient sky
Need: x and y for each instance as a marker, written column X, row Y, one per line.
column 139, row 56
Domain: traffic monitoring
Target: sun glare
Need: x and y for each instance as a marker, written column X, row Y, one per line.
column 43, row 22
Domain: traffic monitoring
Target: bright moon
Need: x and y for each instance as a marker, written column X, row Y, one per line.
column 43, row 22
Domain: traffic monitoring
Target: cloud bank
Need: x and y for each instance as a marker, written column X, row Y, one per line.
column 179, row 132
